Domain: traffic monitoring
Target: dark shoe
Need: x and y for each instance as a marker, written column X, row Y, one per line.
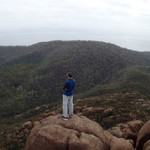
column 64, row 118
column 71, row 116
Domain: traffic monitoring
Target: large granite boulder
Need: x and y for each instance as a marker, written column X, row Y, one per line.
column 78, row 133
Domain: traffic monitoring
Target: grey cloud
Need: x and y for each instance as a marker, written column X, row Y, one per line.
column 120, row 22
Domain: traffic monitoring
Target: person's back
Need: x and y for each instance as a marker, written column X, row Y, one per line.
column 69, row 86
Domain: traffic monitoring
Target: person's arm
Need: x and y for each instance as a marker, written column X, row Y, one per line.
column 65, row 86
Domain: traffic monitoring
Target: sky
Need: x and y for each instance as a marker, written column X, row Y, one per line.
column 122, row 22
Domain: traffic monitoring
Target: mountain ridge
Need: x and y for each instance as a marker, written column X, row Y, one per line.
column 44, row 45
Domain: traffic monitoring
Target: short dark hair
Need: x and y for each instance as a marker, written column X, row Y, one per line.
column 69, row 74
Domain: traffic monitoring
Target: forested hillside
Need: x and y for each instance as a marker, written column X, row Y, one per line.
column 34, row 75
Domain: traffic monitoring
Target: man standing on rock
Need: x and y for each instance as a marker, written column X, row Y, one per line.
column 68, row 96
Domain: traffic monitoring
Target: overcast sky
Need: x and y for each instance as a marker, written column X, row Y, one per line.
column 122, row 22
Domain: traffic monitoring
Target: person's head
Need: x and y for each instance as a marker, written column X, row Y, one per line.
column 69, row 75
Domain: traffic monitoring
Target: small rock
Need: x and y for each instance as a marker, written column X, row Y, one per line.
column 28, row 125
column 36, row 122
column 116, row 132
column 99, row 109
column 88, row 111
column 108, row 112
column 144, row 105
column 47, row 110
column 37, row 108
column 78, row 109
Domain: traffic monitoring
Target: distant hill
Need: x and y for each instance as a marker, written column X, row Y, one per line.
column 34, row 75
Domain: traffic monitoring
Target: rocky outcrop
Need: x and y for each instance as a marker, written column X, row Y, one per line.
column 143, row 140
column 132, row 130
column 127, row 131
column 120, row 144
column 146, row 145
column 106, row 116
column 78, row 133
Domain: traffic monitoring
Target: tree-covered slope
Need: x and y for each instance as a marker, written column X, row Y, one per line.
column 34, row 75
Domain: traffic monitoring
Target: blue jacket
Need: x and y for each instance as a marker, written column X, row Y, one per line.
column 69, row 86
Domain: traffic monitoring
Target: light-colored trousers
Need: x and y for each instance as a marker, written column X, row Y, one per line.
column 67, row 104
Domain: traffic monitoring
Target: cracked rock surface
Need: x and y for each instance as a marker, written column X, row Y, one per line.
column 77, row 133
